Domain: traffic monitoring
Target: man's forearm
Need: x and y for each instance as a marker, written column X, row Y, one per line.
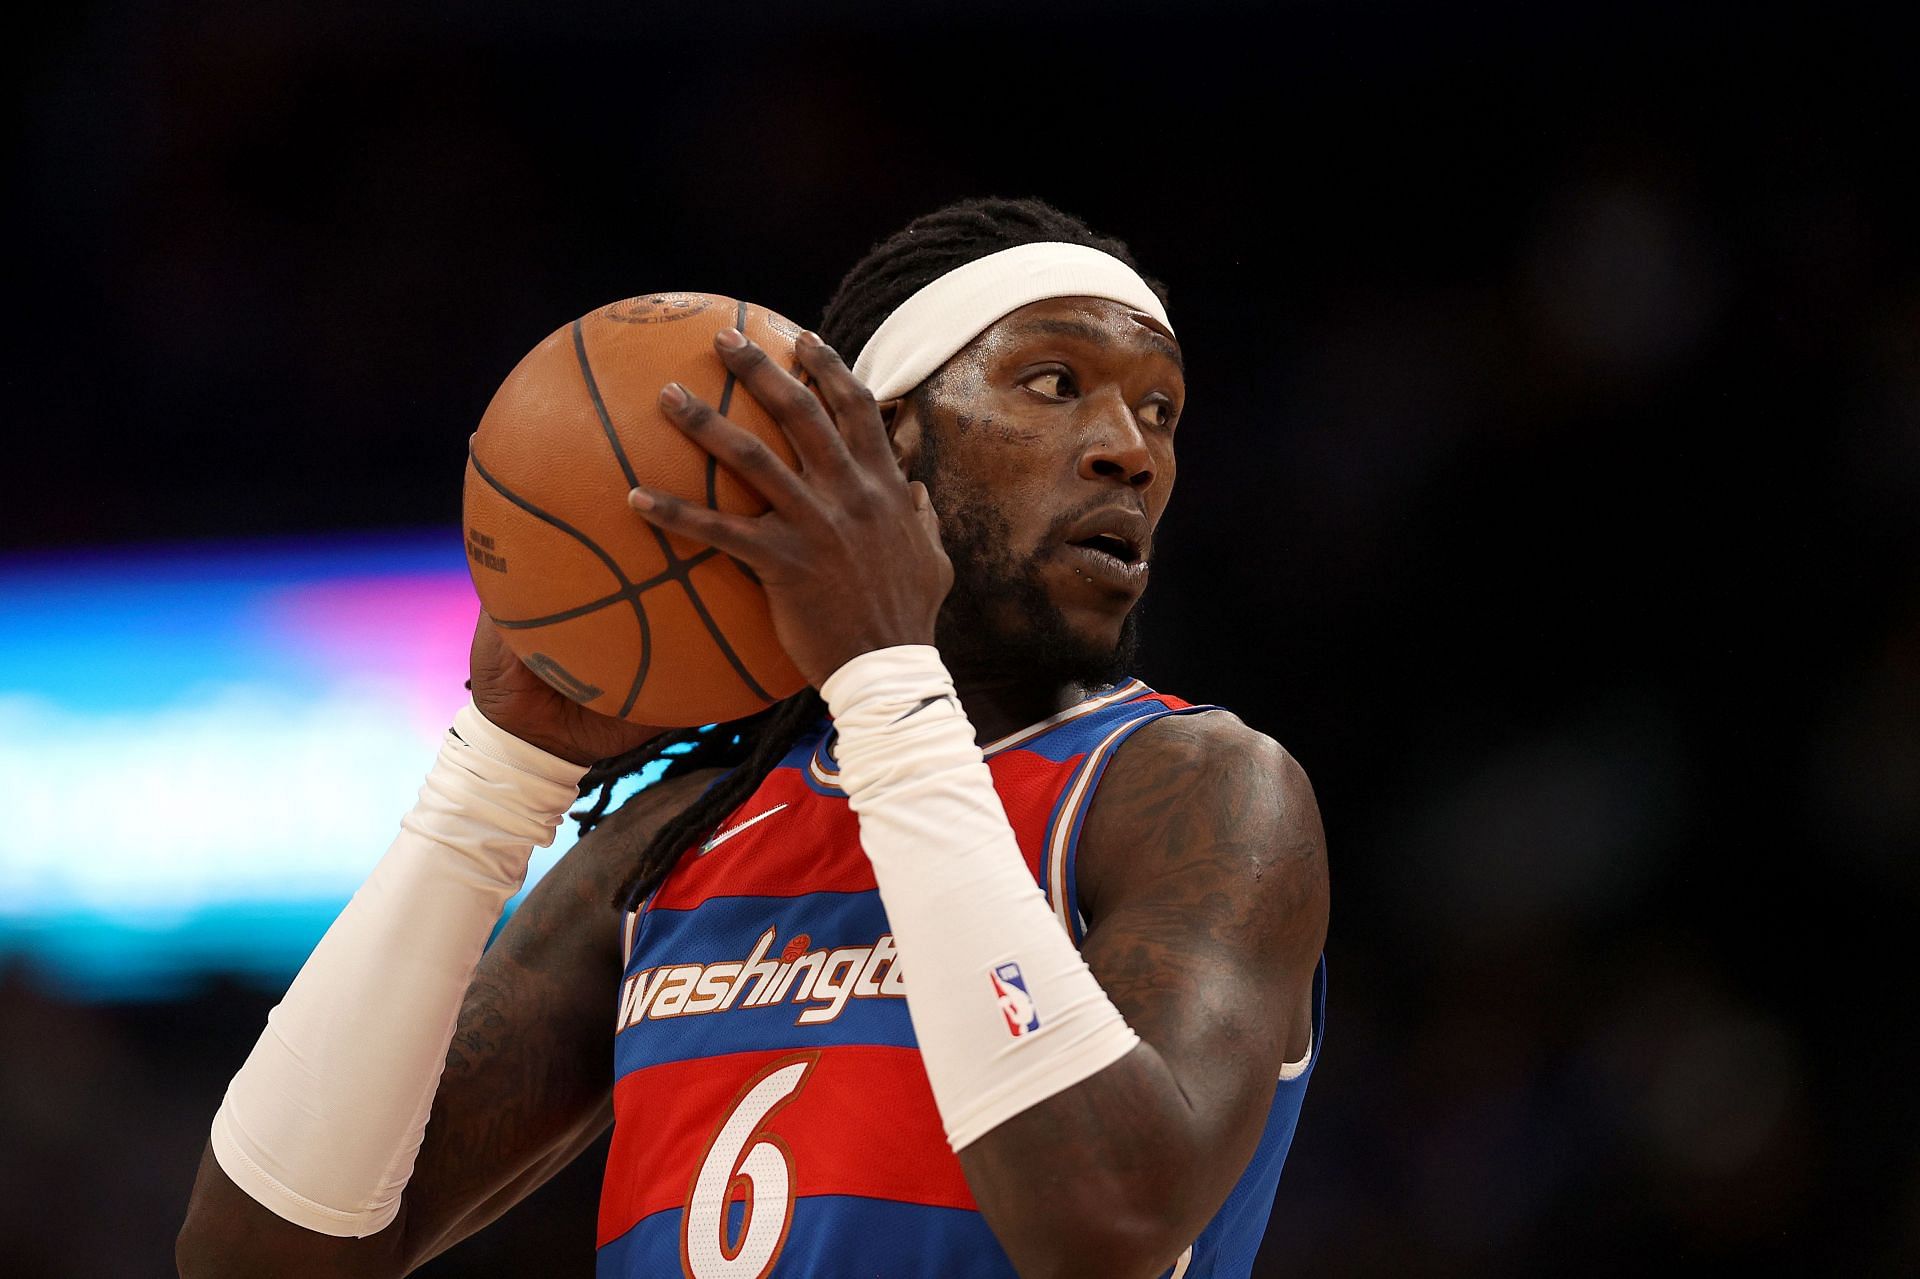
column 323, row 1122
column 1086, row 1147
column 1010, row 1021
column 1003, row 1006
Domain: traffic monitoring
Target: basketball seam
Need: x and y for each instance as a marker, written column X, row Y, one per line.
column 624, row 593
column 726, row 402
column 713, row 463
column 726, row 649
column 600, row 406
column 572, row 532
column 565, row 615
column 628, row 590
column 646, row 657
column 677, row 567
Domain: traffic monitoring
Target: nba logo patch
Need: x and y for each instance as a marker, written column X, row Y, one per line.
column 1016, row 1005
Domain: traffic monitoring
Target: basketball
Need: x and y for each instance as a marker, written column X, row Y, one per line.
column 617, row 615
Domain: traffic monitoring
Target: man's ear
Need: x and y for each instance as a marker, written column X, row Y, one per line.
column 904, row 429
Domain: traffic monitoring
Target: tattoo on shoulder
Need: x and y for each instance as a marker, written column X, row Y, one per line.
column 1207, row 842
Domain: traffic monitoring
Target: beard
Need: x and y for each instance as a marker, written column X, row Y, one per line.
column 999, row 619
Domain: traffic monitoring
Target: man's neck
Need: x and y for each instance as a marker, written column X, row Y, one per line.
column 1000, row 705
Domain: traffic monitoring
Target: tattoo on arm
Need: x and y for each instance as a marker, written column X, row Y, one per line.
column 529, row 1080
column 1202, row 873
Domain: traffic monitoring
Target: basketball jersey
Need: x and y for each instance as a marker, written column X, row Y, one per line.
column 771, row 1113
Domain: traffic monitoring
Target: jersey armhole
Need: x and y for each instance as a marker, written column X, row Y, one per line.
column 1060, row 855
column 1294, row 1071
column 630, row 926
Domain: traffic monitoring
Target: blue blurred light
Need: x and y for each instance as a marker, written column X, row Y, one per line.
column 203, row 750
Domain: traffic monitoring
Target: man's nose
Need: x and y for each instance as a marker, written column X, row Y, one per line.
column 1118, row 448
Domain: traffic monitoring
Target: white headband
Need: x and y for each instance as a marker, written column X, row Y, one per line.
column 929, row 328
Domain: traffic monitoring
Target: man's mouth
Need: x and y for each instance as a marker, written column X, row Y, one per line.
column 1119, row 534
column 1112, row 545
column 1111, row 562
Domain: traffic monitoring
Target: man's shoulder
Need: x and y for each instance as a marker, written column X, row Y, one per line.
column 1202, row 779
column 1207, row 750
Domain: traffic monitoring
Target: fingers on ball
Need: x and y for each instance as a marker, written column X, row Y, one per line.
column 744, row 453
column 794, row 405
column 734, row 534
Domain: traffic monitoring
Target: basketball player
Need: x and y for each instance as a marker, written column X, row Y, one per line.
column 1011, row 966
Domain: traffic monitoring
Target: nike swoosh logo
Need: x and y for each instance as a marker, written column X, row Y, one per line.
column 729, row 833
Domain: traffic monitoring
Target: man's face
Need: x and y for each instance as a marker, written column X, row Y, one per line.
column 1047, row 446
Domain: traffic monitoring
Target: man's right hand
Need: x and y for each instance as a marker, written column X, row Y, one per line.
column 507, row 692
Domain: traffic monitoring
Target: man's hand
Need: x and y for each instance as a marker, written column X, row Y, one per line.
column 507, row 692
column 849, row 552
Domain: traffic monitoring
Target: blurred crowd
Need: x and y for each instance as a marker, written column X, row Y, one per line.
column 1550, row 486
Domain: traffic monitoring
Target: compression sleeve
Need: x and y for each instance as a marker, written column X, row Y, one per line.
column 324, row 1120
column 1006, row 1012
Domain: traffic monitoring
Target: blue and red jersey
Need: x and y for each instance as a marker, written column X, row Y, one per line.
column 771, row 1113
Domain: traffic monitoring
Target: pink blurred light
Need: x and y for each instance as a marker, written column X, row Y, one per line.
column 411, row 629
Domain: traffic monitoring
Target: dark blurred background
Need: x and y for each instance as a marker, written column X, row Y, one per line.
column 1550, row 486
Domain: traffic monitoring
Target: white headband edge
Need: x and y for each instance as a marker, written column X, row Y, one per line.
column 938, row 321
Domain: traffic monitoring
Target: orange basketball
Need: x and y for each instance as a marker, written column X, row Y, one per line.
column 619, row 616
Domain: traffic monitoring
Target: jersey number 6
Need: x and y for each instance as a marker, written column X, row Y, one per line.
column 741, row 1153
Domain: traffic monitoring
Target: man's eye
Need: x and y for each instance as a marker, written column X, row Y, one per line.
column 1054, row 383
column 1158, row 414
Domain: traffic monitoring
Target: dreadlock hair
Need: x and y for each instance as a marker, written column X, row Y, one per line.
column 891, row 272
column 929, row 247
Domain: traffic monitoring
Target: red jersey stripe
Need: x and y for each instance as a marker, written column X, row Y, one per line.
column 863, row 1122
column 733, row 870
column 738, row 865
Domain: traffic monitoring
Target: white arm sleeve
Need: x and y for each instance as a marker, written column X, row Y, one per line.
column 1006, row 1011
column 323, row 1121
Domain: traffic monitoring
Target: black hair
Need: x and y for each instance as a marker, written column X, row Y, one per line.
column 928, row 247
column 891, row 272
